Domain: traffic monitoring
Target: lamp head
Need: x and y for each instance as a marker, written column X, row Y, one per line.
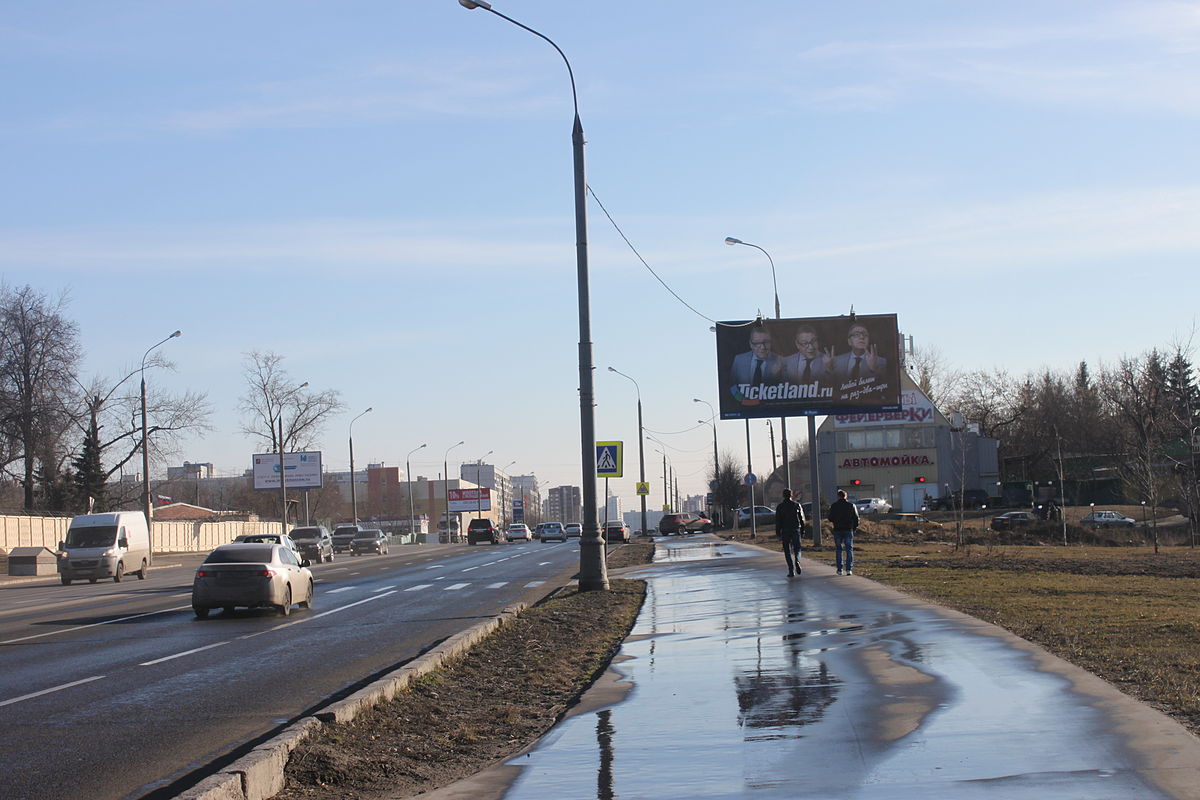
column 301, row 386
column 610, row 369
column 176, row 333
column 728, row 239
column 369, row 410
column 471, row 5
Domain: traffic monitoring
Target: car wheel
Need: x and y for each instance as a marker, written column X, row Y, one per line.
column 65, row 580
column 142, row 572
column 286, row 608
column 330, row 556
column 308, row 603
column 201, row 612
column 92, row 580
column 120, row 573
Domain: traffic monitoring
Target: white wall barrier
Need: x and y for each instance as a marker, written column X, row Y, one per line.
column 170, row 536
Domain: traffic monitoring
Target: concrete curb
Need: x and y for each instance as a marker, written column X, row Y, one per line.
column 259, row 774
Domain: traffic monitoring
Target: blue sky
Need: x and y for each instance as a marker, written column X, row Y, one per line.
column 381, row 192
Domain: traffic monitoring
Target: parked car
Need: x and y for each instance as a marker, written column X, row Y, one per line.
column 762, row 516
column 1014, row 519
column 315, row 543
column 343, row 535
column 872, row 505
column 1107, row 519
column 616, row 530
column 573, row 530
column 519, row 530
column 253, row 576
column 483, row 530
column 272, row 538
column 369, row 540
column 686, row 522
column 552, row 532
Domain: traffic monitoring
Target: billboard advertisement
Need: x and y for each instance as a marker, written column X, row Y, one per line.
column 808, row 366
column 469, row 500
column 303, row 470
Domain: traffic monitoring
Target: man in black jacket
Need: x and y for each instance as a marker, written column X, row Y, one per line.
column 789, row 521
column 844, row 518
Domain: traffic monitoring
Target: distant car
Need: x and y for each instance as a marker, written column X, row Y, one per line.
column 616, row 531
column 1107, row 519
column 519, row 530
column 1014, row 519
column 762, row 516
column 369, row 540
column 552, row 532
column 272, row 538
column 573, row 530
column 343, row 535
column 967, row 498
column 685, row 522
column 483, row 530
column 253, row 576
column 315, row 543
column 872, row 505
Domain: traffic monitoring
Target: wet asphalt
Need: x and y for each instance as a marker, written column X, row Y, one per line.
column 744, row 683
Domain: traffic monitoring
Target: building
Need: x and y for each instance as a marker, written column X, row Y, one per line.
column 528, row 495
column 612, row 510
column 190, row 471
column 565, row 504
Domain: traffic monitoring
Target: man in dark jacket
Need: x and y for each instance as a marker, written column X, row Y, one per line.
column 789, row 521
column 844, row 518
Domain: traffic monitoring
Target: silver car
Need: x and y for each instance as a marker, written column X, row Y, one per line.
column 252, row 576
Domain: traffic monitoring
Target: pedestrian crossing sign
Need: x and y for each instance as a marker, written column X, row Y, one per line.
column 643, row 488
column 608, row 459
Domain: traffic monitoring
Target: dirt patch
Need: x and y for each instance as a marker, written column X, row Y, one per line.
column 487, row 706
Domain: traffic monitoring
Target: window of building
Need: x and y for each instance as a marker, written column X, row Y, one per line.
column 897, row 438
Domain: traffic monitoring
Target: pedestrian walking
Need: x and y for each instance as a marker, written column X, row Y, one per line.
column 844, row 518
column 789, row 522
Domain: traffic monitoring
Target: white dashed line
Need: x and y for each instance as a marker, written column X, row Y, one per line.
column 499, row 585
column 343, row 589
column 418, row 587
column 384, row 588
column 51, row 689
column 180, row 655
column 455, row 586
column 93, row 625
column 434, row 566
column 531, row 584
column 468, row 569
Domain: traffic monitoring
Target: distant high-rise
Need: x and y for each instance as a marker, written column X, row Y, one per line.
column 565, row 504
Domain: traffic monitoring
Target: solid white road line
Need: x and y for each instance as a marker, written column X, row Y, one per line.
column 48, row 691
column 181, row 655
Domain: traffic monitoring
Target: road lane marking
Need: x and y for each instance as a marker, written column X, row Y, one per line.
column 499, row 585
column 531, row 584
column 384, row 588
column 51, row 689
column 468, row 569
column 93, row 625
column 455, row 587
column 181, row 655
column 418, row 587
column 543, row 563
column 343, row 589
column 433, row 566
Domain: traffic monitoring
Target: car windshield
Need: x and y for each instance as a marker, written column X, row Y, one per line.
column 97, row 536
column 367, row 535
column 305, row 533
column 240, row 555
column 346, row 532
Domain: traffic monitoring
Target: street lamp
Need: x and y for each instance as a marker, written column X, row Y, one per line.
column 147, row 506
column 504, row 504
column 479, row 480
column 353, row 491
column 446, row 485
column 641, row 450
column 282, row 471
column 408, row 477
column 593, row 574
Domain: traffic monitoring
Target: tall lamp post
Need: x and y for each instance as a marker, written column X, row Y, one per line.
column 641, row 450
column 504, row 504
column 446, row 486
column 147, row 506
column 408, row 478
column 282, row 470
column 353, row 490
column 479, row 484
column 593, row 574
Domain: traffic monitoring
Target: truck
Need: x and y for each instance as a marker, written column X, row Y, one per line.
column 108, row 545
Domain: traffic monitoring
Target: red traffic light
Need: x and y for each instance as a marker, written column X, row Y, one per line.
column 856, row 482
column 920, row 479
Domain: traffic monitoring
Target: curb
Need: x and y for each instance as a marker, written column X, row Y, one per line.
column 259, row 774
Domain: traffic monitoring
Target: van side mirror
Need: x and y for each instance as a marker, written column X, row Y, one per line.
column 123, row 542
column 304, row 562
column 62, row 545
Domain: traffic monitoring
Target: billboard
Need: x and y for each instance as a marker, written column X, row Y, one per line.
column 303, row 470
column 808, row 366
column 468, row 500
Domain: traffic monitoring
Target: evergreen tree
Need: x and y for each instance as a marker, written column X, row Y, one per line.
column 89, row 471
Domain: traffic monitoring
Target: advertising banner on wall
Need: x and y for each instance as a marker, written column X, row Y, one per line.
column 808, row 366
column 467, row 500
column 303, row 470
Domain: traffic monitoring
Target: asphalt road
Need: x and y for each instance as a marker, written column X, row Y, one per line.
column 118, row 690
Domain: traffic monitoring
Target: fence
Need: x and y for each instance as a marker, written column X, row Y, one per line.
column 173, row 536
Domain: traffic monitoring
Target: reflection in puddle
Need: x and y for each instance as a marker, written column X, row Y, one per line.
column 604, row 742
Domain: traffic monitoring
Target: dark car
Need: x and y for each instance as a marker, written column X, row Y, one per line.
column 369, row 540
column 314, row 542
column 967, row 498
column 763, row 515
column 686, row 522
column 343, row 535
column 483, row 530
column 1014, row 519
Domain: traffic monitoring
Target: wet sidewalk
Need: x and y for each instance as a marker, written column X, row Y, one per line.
column 745, row 683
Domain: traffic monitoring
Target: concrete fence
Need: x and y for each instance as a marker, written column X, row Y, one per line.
column 173, row 536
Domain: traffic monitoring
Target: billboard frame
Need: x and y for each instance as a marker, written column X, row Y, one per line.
column 303, row 470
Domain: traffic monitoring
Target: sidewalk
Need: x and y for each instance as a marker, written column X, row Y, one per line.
column 742, row 683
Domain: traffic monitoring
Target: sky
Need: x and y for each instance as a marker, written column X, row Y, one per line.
column 381, row 193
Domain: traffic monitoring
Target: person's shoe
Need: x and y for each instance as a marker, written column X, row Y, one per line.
column 849, row 572
column 791, row 574
column 839, row 572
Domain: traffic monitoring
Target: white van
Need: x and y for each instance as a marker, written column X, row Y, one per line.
column 105, row 546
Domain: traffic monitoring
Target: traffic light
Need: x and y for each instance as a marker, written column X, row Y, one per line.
column 920, row 479
column 856, row 482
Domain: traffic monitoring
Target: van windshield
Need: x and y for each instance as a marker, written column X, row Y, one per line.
column 97, row 536
column 304, row 533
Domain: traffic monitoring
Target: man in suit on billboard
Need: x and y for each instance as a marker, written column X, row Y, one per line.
column 809, row 363
column 760, row 365
column 863, row 359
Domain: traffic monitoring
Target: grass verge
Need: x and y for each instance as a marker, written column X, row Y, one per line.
column 484, row 707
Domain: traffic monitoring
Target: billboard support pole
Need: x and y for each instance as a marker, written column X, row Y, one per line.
column 750, row 471
column 815, row 479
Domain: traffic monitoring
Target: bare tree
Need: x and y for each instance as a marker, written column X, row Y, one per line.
column 39, row 355
column 272, row 395
column 729, row 490
column 935, row 377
